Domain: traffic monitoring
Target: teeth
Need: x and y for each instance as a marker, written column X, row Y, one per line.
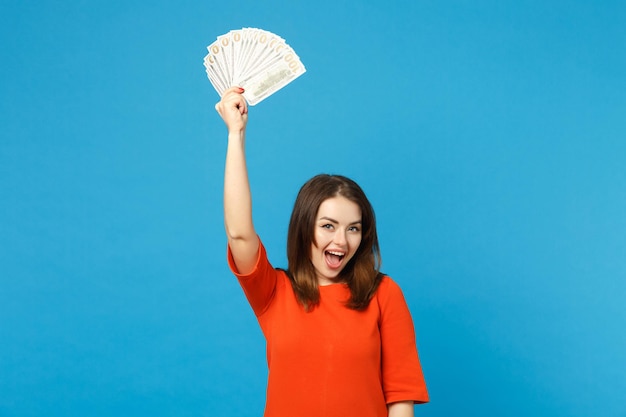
column 336, row 253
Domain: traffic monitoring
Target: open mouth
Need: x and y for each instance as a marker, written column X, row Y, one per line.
column 334, row 258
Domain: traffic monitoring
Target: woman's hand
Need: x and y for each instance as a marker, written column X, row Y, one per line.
column 233, row 109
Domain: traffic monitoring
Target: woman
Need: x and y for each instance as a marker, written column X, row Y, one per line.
column 340, row 340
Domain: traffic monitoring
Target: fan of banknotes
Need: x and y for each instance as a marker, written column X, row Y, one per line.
column 257, row 60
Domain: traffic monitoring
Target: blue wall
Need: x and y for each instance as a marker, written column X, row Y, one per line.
column 490, row 137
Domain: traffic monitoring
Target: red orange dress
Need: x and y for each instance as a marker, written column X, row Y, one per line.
column 333, row 361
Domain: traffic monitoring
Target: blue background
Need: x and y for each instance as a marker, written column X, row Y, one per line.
column 489, row 135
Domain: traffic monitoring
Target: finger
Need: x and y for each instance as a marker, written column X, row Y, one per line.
column 243, row 106
column 233, row 90
column 235, row 101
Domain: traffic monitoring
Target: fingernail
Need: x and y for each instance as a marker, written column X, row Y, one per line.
column 241, row 89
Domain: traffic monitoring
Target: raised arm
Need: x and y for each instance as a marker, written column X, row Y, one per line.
column 242, row 238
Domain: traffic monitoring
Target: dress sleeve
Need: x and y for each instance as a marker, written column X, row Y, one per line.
column 403, row 379
column 260, row 284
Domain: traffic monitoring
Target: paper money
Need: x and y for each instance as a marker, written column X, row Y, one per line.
column 257, row 60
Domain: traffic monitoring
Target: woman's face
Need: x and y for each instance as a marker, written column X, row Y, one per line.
column 337, row 237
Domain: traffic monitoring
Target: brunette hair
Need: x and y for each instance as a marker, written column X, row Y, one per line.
column 362, row 273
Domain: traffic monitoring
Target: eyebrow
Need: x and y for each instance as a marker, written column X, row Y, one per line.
column 336, row 222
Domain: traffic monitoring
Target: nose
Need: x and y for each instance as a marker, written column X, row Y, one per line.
column 340, row 238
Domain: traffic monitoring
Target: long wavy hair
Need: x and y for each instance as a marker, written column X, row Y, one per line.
column 362, row 273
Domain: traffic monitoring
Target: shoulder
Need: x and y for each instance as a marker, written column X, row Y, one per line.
column 263, row 283
column 262, row 264
column 388, row 288
column 390, row 299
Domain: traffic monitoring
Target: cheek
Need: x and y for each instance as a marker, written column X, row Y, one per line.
column 316, row 239
column 355, row 242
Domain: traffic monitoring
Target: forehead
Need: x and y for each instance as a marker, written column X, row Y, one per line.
column 339, row 208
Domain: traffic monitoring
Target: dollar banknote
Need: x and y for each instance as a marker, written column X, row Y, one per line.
column 254, row 59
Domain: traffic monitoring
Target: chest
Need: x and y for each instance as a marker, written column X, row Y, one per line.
column 330, row 333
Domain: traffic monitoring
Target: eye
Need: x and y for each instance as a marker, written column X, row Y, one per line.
column 327, row 226
column 354, row 229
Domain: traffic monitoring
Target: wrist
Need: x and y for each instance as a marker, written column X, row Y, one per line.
column 237, row 134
